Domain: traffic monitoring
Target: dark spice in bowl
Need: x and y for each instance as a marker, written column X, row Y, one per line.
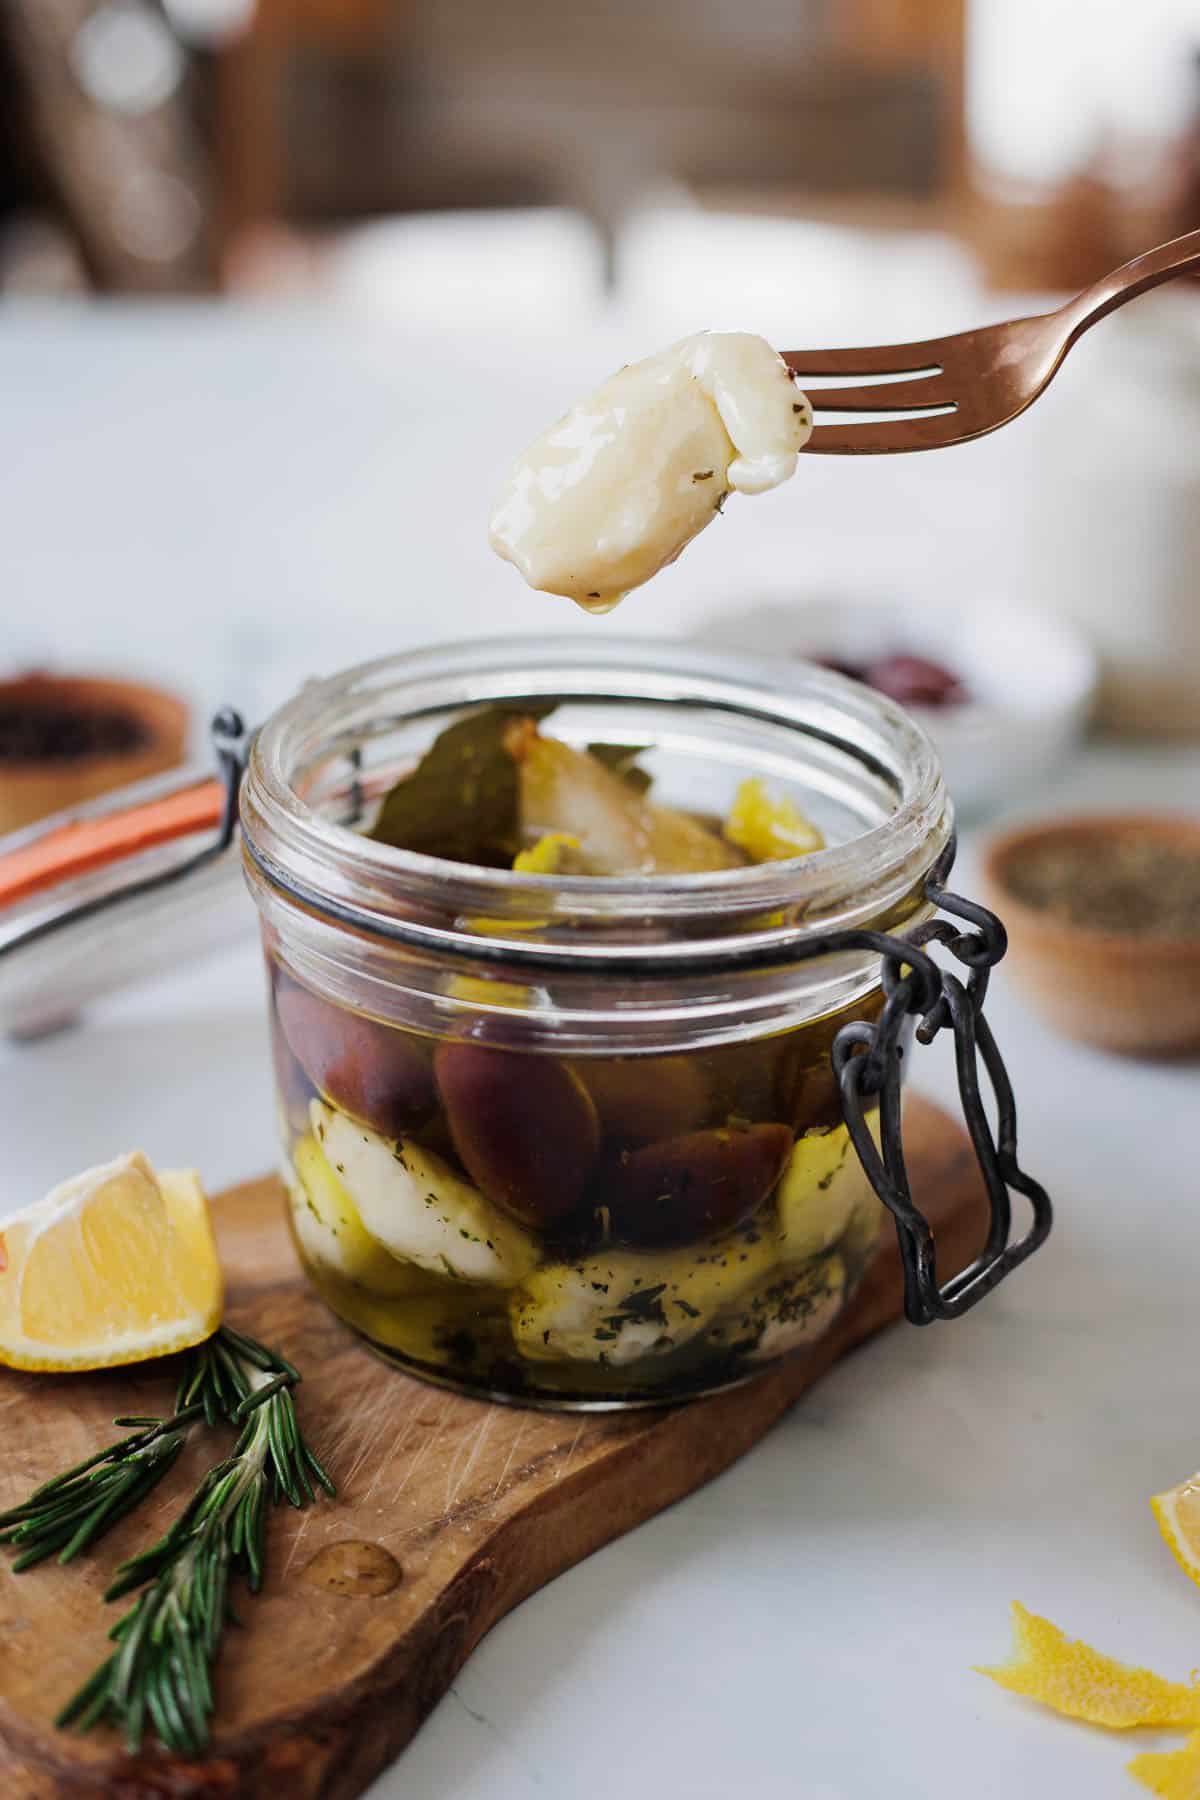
column 33, row 731
column 1132, row 885
column 65, row 739
column 1103, row 917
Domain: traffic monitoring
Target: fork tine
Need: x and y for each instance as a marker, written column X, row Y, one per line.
column 867, row 359
column 878, row 436
column 883, row 396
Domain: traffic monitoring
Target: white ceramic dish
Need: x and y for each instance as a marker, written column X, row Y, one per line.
column 1031, row 679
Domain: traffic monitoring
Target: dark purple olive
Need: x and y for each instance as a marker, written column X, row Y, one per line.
column 524, row 1127
column 807, row 1092
column 817, row 1101
column 690, row 1187
column 292, row 1085
column 372, row 1071
column 641, row 1099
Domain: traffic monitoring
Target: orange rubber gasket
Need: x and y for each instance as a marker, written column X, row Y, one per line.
column 86, row 844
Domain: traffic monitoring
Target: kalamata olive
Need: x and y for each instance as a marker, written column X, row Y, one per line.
column 292, row 1085
column 807, row 1092
column 374, row 1072
column 819, row 1102
column 689, row 1187
column 641, row 1099
column 743, row 1082
column 750, row 1078
column 812, row 1100
column 523, row 1125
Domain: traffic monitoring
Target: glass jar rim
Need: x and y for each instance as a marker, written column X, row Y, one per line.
column 368, row 886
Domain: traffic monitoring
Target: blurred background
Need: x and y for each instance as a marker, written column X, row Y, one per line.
column 193, row 145
column 287, row 282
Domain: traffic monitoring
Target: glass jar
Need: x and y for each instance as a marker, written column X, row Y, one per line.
column 569, row 1140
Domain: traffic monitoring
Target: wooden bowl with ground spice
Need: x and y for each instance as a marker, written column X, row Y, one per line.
column 1103, row 918
column 67, row 739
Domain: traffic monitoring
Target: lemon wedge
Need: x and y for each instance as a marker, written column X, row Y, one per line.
column 114, row 1266
column 1178, row 1515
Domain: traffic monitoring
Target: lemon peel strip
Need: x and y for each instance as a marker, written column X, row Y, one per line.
column 1171, row 1774
column 1081, row 1683
column 545, row 857
column 769, row 829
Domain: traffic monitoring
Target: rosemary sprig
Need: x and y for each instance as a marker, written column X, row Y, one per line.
column 68, row 1513
column 160, row 1674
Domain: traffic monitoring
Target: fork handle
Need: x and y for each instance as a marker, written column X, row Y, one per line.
column 1180, row 257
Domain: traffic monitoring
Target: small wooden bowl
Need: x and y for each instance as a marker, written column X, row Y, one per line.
column 1136, row 995
column 31, row 790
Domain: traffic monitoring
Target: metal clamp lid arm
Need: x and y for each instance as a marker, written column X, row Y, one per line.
column 867, row 1062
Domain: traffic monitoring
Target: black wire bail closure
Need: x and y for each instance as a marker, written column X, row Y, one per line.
column 867, row 1062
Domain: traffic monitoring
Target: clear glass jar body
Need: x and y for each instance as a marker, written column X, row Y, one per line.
column 576, row 1141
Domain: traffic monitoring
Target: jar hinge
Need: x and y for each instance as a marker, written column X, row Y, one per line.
column 867, row 1063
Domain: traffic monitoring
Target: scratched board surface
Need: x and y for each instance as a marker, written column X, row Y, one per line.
column 449, row 1512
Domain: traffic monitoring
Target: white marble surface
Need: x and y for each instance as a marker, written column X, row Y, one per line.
column 234, row 501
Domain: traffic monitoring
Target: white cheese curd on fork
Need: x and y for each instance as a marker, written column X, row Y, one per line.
column 616, row 490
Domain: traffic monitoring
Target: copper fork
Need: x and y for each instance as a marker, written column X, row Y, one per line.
column 975, row 381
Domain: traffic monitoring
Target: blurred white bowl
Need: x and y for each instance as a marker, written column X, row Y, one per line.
column 1030, row 679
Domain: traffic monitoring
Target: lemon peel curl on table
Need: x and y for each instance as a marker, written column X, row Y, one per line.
column 1081, row 1683
column 1171, row 1774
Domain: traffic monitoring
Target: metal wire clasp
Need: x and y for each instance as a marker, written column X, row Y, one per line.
column 867, row 1063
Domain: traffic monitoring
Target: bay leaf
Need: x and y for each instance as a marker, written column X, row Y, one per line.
column 462, row 801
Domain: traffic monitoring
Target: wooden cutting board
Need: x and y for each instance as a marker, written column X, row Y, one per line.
column 449, row 1512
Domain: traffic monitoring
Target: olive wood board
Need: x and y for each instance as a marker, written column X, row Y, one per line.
column 449, row 1512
